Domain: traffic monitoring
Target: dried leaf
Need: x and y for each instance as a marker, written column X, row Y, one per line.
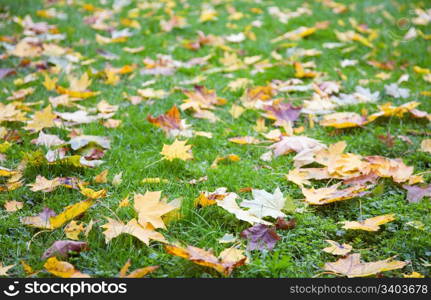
column 371, row 224
column 351, row 266
column 260, row 237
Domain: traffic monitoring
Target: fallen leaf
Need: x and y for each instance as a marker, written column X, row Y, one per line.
column 150, row 209
column 371, row 224
column 70, row 212
column 416, row 193
column 178, row 149
column 42, row 119
column 62, row 269
column 426, row 145
column 229, row 204
column 337, row 249
column 73, row 229
column 44, row 185
column 206, row 258
column 5, row 269
column 265, row 204
column 260, row 237
column 283, row 224
column 351, row 266
column 138, row 273
column 12, row 206
column 115, row 228
column 101, row 177
column 61, row 249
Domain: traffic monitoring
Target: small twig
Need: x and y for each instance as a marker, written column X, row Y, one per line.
column 29, row 242
column 154, row 162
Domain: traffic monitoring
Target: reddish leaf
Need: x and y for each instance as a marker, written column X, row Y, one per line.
column 282, row 113
column 283, row 224
column 62, row 248
column 416, row 193
column 260, row 237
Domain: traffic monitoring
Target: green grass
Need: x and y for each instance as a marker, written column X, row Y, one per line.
column 137, row 143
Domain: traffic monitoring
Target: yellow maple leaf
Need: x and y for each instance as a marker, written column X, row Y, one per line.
column 70, row 212
column 337, row 249
column 178, row 149
column 223, row 264
column 413, row 275
column 101, row 177
column 371, row 224
column 49, row 83
column 115, row 228
column 63, row 269
column 73, row 229
column 138, row 273
column 150, row 209
column 41, row 119
column 92, row 194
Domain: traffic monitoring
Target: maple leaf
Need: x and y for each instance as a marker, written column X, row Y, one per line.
column 115, row 228
column 73, row 229
column 10, row 113
column 178, row 149
column 42, row 119
column 371, row 224
column 101, row 177
column 343, row 120
column 5, row 269
column 351, row 266
column 48, row 140
column 207, row 198
column 416, row 193
column 265, row 204
column 229, row 204
column 201, row 101
column 171, row 123
column 62, row 269
column 386, row 167
column 230, row 157
column 283, row 224
column 337, row 249
column 62, row 248
column 395, row 91
column 83, row 140
column 70, row 212
column 244, row 140
column 79, row 84
column 426, row 145
column 44, row 185
column 332, row 194
column 42, row 220
column 301, row 176
column 12, row 206
column 90, row 193
column 282, row 113
column 298, row 144
column 260, row 237
column 224, row 264
column 138, row 273
column 150, row 209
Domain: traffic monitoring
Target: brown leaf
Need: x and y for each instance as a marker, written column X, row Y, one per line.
column 351, row 266
column 62, row 248
column 281, row 223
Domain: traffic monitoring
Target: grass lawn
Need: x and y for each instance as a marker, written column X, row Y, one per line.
column 136, row 144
